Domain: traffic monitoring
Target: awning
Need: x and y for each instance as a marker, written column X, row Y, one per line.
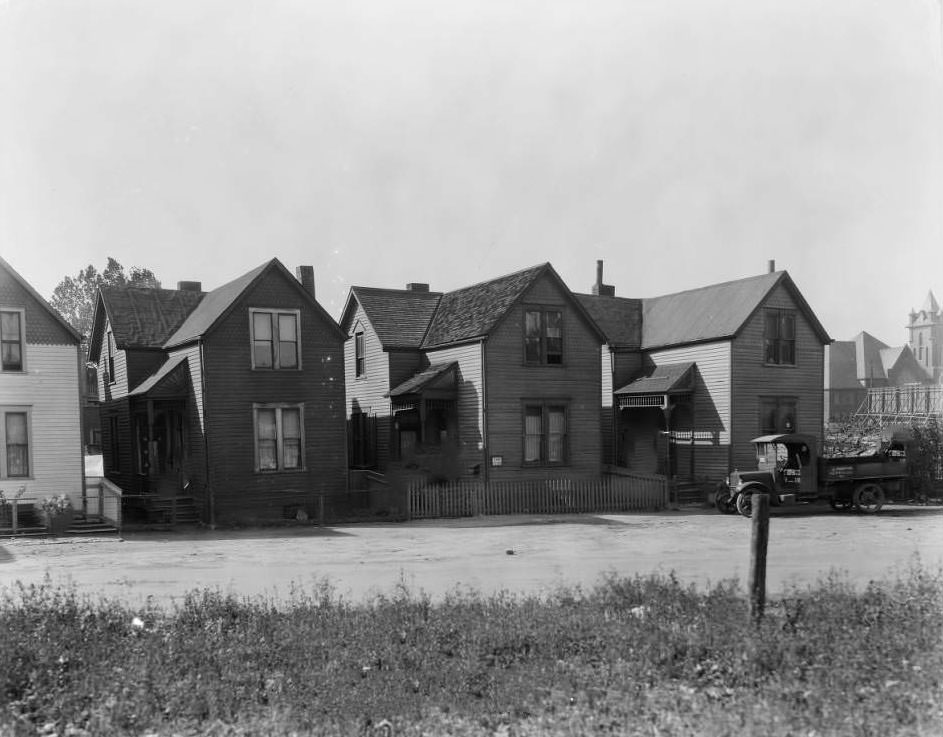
column 437, row 381
column 654, row 388
column 171, row 380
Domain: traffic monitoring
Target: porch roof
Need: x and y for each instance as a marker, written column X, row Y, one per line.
column 167, row 381
column 439, row 376
column 668, row 378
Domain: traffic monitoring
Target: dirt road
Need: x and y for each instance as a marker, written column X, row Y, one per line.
column 518, row 554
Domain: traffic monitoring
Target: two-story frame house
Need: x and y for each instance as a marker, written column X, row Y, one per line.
column 40, row 405
column 233, row 397
column 714, row 368
column 498, row 380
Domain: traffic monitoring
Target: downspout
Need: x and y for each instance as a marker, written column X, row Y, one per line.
column 206, row 444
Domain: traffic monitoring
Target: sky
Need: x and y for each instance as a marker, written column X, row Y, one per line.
column 682, row 142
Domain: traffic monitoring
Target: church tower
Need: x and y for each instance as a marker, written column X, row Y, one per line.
column 926, row 337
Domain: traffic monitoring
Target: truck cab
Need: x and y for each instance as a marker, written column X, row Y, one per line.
column 786, row 469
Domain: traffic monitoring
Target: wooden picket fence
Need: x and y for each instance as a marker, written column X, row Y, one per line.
column 469, row 498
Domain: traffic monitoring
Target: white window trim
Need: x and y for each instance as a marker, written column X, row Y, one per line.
column 279, row 436
column 4, row 409
column 22, row 313
column 275, row 358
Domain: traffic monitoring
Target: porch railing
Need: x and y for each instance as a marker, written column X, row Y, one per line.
column 467, row 498
column 109, row 503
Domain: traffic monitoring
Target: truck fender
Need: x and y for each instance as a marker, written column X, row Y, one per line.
column 743, row 500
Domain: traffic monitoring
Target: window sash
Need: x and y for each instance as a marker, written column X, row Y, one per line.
column 780, row 337
column 275, row 339
column 545, row 437
column 16, row 437
column 279, row 438
column 543, row 336
column 360, row 361
column 11, row 341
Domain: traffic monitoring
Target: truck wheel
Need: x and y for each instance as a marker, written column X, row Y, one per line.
column 745, row 504
column 869, row 498
column 723, row 500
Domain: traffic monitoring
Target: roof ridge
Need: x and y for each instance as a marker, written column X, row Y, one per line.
column 499, row 278
column 755, row 277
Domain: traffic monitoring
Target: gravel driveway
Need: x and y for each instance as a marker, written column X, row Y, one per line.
column 517, row 554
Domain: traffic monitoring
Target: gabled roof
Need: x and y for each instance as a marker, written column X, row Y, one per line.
column 868, row 359
column 400, row 317
column 218, row 303
column 668, row 378
column 890, row 357
column 714, row 312
column 842, row 365
column 930, row 305
column 166, row 379
column 620, row 318
column 143, row 317
column 27, row 287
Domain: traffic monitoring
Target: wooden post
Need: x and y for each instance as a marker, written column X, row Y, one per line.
column 758, row 545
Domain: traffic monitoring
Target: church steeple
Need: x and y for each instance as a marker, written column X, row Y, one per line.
column 926, row 337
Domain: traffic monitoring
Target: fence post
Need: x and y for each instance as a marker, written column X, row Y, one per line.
column 758, row 545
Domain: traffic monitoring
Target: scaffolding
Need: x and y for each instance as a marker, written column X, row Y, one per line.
column 909, row 403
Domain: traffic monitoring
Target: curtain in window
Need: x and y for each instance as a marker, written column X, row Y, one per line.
column 556, row 439
column 291, row 437
column 267, row 434
column 554, row 336
column 533, row 430
column 262, row 340
column 287, row 341
column 17, row 437
column 532, row 336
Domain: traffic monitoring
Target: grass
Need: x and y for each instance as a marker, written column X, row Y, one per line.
column 645, row 656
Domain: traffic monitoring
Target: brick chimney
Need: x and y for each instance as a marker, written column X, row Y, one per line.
column 772, row 265
column 305, row 275
column 189, row 286
column 600, row 289
column 417, row 287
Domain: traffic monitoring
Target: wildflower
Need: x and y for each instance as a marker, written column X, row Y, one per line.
column 137, row 623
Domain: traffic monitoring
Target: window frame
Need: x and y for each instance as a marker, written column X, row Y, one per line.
column 780, row 404
column 21, row 315
column 274, row 313
column 545, row 407
column 110, row 351
column 27, row 412
column 544, row 352
column 774, row 346
column 278, row 408
column 360, row 355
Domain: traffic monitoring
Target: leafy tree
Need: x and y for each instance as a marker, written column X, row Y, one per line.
column 74, row 297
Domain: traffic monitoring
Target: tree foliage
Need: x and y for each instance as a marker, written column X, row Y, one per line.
column 74, row 296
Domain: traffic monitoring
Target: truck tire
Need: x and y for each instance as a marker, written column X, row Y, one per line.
column 869, row 498
column 723, row 500
column 745, row 504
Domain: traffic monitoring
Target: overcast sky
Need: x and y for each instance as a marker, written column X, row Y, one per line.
column 685, row 142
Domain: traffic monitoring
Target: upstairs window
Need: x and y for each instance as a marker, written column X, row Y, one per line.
column 275, row 340
column 545, row 437
column 11, row 340
column 360, row 359
column 543, row 336
column 780, row 338
column 110, row 374
column 279, row 437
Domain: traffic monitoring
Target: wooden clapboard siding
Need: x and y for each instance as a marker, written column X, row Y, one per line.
column 752, row 378
column 40, row 325
column 48, row 390
column 232, row 387
column 117, row 385
column 194, row 462
column 119, row 470
column 140, row 364
column 367, row 393
column 619, row 367
column 577, row 383
column 712, row 402
column 470, row 391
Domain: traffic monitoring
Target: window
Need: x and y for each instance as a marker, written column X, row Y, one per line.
column 110, row 375
column 274, row 339
column 11, row 340
column 279, row 437
column 780, row 337
column 16, row 434
column 360, row 360
column 778, row 415
column 545, row 439
column 543, row 336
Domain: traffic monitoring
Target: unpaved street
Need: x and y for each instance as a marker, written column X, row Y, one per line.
column 519, row 554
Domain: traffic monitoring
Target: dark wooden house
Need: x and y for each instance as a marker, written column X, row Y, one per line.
column 498, row 380
column 233, row 397
column 694, row 376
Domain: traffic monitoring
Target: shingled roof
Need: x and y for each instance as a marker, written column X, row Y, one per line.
column 400, row 317
column 714, row 312
column 143, row 317
column 473, row 311
column 620, row 318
